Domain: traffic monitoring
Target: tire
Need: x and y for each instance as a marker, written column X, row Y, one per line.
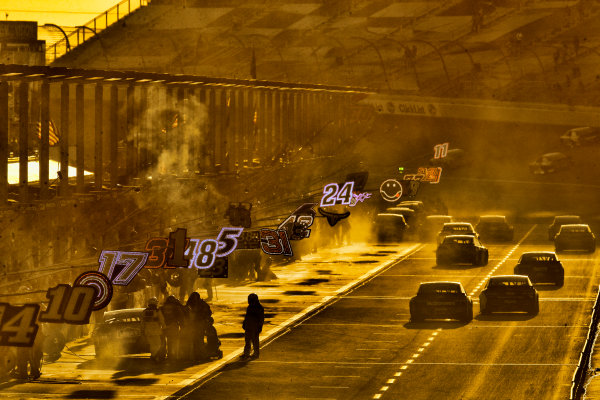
column 416, row 317
column 534, row 308
column 560, row 282
column 486, row 256
column 441, row 261
column 468, row 315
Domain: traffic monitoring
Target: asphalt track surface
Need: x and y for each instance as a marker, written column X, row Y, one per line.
column 364, row 347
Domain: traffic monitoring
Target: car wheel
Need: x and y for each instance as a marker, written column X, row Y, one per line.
column 440, row 261
column 414, row 317
column 468, row 314
column 534, row 309
column 560, row 281
column 593, row 248
column 486, row 256
column 380, row 237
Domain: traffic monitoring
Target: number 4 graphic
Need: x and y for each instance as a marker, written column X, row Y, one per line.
column 18, row 326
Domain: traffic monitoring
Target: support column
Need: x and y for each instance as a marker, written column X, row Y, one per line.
column 98, row 166
column 277, row 125
column 79, row 138
column 269, row 126
column 3, row 142
column 64, row 139
column 181, row 131
column 131, row 136
column 261, row 127
column 23, row 141
column 44, row 159
column 145, row 142
column 113, row 161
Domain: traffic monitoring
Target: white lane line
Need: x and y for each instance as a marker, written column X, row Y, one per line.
column 377, row 396
column 384, row 388
column 398, row 373
column 390, row 381
column 532, row 326
column 404, row 364
column 381, row 341
column 330, row 387
column 502, row 261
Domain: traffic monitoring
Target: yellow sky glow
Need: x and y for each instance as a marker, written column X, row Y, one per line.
column 62, row 13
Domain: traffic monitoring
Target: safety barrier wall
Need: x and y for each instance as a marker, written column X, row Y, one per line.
column 115, row 126
column 581, row 372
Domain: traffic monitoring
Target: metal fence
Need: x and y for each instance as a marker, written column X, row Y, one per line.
column 83, row 130
column 92, row 28
column 581, row 372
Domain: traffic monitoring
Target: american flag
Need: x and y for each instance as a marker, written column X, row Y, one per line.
column 53, row 132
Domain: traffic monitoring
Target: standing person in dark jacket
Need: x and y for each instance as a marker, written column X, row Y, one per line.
column 199, row 313
column 253, row 323
column 174, row 317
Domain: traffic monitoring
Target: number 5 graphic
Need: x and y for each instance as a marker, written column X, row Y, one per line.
column 228, row 241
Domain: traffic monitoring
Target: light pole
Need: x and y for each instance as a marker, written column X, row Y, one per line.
column 380, row 59
column 83, row 28
column 412, row 61
column 62, row 31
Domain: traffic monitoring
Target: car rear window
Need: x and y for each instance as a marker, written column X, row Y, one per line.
column 445, row 289
column 457, row 228
column 508, row 283
column 537, row 258
column 579, row 229
column 451, row 240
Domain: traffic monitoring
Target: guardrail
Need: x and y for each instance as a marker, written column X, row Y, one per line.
column 93, row 27
column 581, row 372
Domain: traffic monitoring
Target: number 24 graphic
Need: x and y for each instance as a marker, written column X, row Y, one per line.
column 333, row 193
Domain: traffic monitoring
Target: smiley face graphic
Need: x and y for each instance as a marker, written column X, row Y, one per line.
column 391, row 190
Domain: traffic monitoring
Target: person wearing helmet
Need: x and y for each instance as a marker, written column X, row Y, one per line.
column 253, row 323
column 154, row 323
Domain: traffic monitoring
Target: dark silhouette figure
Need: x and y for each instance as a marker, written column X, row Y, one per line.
column 212, row 340
column 154, row 324
column 199, row 313
column 174, row 315
column 253, row 323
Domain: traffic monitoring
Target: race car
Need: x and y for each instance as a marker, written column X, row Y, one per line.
column 441, row 300
column 412, row 218
column 575, row 237
column 559, row 221
column 415, row 205
column 541, row 267
column 495, row 227
column 461, row 249
column 432, row 225
column 509, row 293
column 120, row 332
column 390, row 227
column 456, row 228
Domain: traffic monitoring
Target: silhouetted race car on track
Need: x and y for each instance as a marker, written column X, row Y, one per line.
column 432, row 225
column 441, row 300
column 121, row 332
column 509, row 293
column 575, row 237
column 390, row 227
column 456, row 228
column 495, row 227
column 541, row 267
column 461, row 249
column 559, row 221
